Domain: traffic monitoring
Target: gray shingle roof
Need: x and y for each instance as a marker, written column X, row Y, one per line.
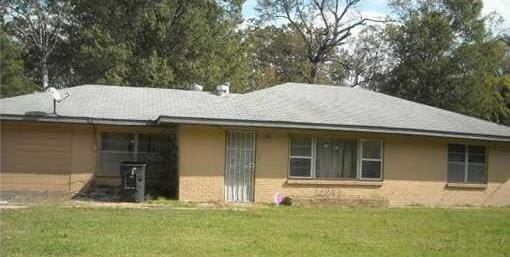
column 108, row 102
column 287, row 105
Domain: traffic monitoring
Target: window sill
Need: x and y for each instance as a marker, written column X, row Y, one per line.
column 466, row 185
column 334, row 182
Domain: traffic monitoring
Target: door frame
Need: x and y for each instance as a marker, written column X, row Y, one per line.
column 254, row 168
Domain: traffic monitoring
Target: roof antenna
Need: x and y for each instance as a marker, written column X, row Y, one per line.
column 57, row 98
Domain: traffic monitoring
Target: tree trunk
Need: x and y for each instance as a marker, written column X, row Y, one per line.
column 44, row 74
column 314, row 73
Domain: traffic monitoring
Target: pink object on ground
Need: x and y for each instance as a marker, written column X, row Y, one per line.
column 278, row 199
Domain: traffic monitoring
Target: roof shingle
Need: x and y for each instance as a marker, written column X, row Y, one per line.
column 289, row 103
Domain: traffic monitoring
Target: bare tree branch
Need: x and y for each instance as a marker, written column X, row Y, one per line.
column 323, row 25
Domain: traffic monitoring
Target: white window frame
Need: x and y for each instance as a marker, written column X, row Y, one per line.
column 361, row 159
column 466, row 164
column 313, row 158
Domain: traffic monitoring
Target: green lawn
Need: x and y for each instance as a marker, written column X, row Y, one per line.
column 271, row 231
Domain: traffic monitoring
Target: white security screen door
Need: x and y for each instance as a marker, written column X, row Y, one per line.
column 240, row 166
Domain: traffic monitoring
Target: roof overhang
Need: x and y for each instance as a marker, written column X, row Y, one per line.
column 316, row 126
column 79, row 120
column 163, row 120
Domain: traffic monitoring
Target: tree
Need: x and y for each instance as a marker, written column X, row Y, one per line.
column 159, row 43
column 446, row 58
column 39, row 25
column 367, row 63
column 490, row 98
column 277, row 56
column 12, row 79
column 323, row 25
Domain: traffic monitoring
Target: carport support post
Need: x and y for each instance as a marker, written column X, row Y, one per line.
column 136, row 147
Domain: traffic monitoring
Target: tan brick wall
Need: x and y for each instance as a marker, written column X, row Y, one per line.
column 415, row 168
column 201, row 163
column 46, row 156
column 415, row 172
column 55, row 156
column 83, row 157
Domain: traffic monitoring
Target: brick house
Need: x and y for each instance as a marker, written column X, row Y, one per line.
column 299, row 140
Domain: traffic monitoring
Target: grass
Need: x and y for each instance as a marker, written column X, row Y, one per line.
column 169, row 202
column 264, row 231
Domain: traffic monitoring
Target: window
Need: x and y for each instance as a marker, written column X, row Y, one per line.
column 120, row 147
column 323, row 158
column 152, row 143
column 466, row 164
column 371, row 159
column 301, row 157
column 335, row 158
column 115, row 148
column 118, row 142
column 155, row 149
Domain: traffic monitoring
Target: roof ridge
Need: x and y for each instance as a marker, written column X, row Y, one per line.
column 320, row 85
column 145, row 88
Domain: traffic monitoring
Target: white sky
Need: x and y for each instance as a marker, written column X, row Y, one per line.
column 502, row 7
column 379, row 7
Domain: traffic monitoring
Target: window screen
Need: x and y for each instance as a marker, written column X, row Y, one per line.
column 155, row 150
column 153, row 143
column 300, row 157
column 115, row 149
column 122, row 142
column 371, row 159
column 456, row 163
column 466, row 164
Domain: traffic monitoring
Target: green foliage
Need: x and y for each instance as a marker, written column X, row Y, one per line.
column 438, row 52
column 159, row 43
column 446, row 58
column 278, row 56
column 12, row 78
column 422, row 44
column 488, row 81
column 492, row 98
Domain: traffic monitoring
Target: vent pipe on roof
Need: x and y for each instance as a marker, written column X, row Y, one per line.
column 223, row 90
column 197, row 87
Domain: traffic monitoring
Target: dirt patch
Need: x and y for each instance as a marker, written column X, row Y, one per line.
column 344, row 202
column 12, row 207
column 32, row 197
column 175, row 205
